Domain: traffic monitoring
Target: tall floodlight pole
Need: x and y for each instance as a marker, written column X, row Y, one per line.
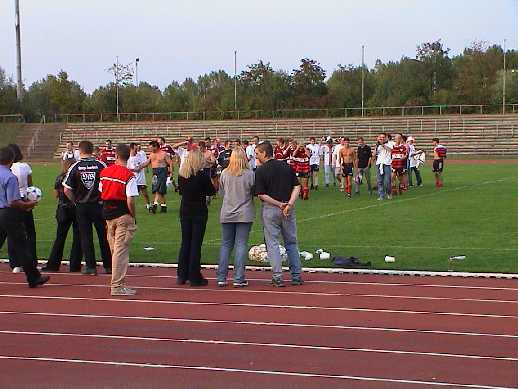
column 235, row 80
column 363, row 80
column 19, row 85
column 117, row 86
column 504, row 80
column 137, row 60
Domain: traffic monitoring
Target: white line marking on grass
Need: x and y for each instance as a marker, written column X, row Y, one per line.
column 388, row 202
column 260, row 323
column 250, row 371
column 259, row 344
column 227, row 290
column 266, row 306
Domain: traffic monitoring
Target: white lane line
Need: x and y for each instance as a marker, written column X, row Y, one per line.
column 261, row 323
column 236, row 290
column 250, row 371
column 260, row 344
column 267, row 306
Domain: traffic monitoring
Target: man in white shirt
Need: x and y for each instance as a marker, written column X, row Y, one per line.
column 250, row 152
column 337, row 163
column 327, row 152
column 70, row 152
column 314, row 161
column 413, row 162
column 383, row 166
column 135, row 161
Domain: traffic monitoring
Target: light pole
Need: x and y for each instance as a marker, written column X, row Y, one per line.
column 137, row 60
column 363, row 80
column 235, row 80
column 19, row 85
column 504, row 80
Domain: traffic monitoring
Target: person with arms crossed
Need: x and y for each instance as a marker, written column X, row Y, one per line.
column 414, row 162
column 250, row 152
column 314, row 161
column 278, row 188
column 329, row 171
column 118, row 187
column 12, row 208
column 82, row 188
column 363, row 161
column 70, row 153
column 108, row 154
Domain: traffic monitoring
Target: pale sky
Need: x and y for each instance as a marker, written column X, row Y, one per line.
column 175, row 39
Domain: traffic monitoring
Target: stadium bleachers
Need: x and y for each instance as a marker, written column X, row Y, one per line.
column 477, row 135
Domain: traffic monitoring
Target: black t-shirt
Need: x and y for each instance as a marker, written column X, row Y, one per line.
column 224, row 158
column 83, row 179
column 276, row 179
column 63, row 200
column 194, row 191
column 364, row 156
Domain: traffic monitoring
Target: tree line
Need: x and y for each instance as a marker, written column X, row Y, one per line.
column 433, row 77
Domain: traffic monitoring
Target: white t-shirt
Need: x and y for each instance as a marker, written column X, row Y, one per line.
column 314, row 159
column 327, row 152
column 70, row 155
column 412, row 158
column 384, row 156
column 22, row 171
column 182, row 153
column 336, row 156
column 250, row 154
column 134, row 162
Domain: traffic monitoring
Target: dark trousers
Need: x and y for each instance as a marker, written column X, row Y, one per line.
column 417, row 176
column 66, row 218
column 193, row 231
column 27, row 219
column 87, row 215
column 13, row 226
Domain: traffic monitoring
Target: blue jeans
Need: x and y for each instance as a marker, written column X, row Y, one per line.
column 384, row 181
column 275, row 225
column 234, row 235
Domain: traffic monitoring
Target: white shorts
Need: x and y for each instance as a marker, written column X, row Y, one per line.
column 141, row 178
column 338, row 171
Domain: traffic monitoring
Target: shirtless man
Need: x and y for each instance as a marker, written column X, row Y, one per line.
column 348, row 160
column 160, row 161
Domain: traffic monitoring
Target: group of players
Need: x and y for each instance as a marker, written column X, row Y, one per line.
column 394, row 158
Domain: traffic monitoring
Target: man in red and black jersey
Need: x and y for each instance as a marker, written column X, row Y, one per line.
column 439, row 154
column 282, row 150
column 108, row 154
column 118, row 187
column 299, row 161
column 81, row 185
column 399, row 156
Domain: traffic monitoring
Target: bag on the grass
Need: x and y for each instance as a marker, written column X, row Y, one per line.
column 350, row 262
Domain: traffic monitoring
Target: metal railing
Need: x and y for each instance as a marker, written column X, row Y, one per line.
column 12, row 118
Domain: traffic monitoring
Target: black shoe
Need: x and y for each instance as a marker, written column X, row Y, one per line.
column 163, row 209
column 200, row 282
column 153, row 208
column 40, row 281
column 89, row 272
column 75, row 270
column 180, row 281
column 316, row 187
column 297, row 281
column 312, row 187
column 278, row 283
column 108, row 270
column 46, row 269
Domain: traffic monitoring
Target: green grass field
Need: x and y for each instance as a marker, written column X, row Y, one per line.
column 473, row 215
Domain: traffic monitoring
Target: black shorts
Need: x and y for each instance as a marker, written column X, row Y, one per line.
column 302, row 175
column 141, row 187
column 159, row 182
column 315, row 168
column 438, row 165
column 399, row 171
column 347, row 169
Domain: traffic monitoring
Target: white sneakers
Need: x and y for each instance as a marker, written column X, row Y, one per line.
column 123, row 291
column 17, row 269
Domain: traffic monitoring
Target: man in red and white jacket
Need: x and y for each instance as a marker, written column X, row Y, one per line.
column 108, row 154
column 118, row 187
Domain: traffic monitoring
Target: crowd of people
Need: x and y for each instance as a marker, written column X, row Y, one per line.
column 97, row 188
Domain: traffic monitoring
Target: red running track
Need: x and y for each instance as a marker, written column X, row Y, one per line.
column 346, row 331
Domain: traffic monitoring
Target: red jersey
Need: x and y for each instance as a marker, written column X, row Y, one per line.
column 282, row 153
column 114, row 180
column 440, row 151
column 168, row 149
column 108, row 156
column 300, row 161
column 399, row 156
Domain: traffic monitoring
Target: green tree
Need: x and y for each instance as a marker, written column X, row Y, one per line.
column 308, row 84
column 8, row 101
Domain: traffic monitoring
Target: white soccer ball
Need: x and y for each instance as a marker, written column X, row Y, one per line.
column 34, row 193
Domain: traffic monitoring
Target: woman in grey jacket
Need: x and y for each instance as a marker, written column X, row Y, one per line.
column 237, row 215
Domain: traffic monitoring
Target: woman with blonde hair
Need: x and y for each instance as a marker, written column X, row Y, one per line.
column 236, row 217
column 194, row 185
